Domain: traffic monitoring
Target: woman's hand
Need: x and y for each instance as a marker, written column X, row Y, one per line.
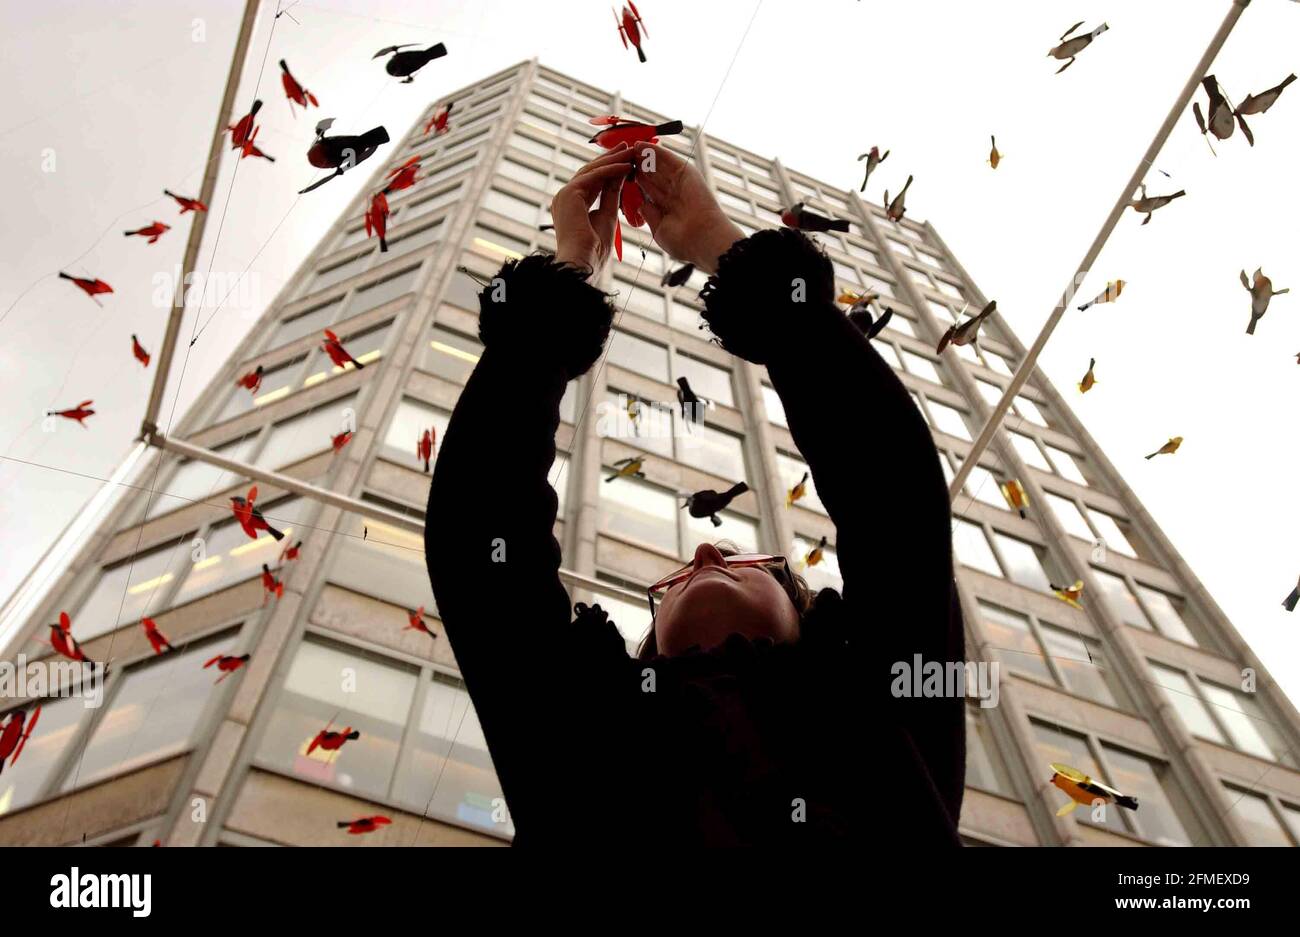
column 684, row 217
column 583, row 236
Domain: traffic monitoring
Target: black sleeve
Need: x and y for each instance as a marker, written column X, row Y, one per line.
column 874, row 464
column 492, row 557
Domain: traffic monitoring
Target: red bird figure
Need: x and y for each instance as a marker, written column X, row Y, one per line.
column 153, row 232
column 341, row 440
column 377, row 219
column 290, row 553
column 296, row 92
column 78, row 413
column 438, row 122
column 338, row 354
column 617, row 130
column 249, row 148
column 156, row 639
column 14, row 735
column 332, row 741
column 252, row 380
column 424, row 447
column 186, row 204
column 61, row 640
column 138, row 350
column 227, row 664
column 243, row 130
column 250, row 518
column 403, row 177
column 273, row 586
column 415, row 622
column 801, row 219
column 630, row 28
column 91, row 287
column 363, row 825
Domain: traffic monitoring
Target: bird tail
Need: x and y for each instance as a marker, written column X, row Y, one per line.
column 383, row 244
column 283, row 66
column 838, row 224
column 1289, row 603
column 1153, row 455
column 66, row 276
column 436, row 51
column 736, row 490
column 353, row 735
column 671, row 127
column 342, row 824
column 639, row 54
column 277, row 534
column 1179, row 194
column 1250, row 328
column 374, row 137
column 356, row 364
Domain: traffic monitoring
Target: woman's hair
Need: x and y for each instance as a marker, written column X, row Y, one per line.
column 795, row 587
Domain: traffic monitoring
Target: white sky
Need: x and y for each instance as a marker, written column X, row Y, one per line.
column 126, row 100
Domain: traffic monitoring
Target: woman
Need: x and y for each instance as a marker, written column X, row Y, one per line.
column 757, row 713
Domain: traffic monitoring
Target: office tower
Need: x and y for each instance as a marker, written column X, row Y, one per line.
column 1146, row 686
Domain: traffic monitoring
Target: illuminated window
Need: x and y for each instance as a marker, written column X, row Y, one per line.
column 377, row 558
column 497, row 245
column 638, row 511
column 305, row 323
column 409, row 422
column 25, row 782
column 277, row 383
column 230, row 556
column 366, row 347
column 451, row 355
column 307, row 433
column 971, row 548
column 199, row 481
column 128, row 590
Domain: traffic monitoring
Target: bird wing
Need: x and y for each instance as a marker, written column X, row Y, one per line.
column 1072, row 29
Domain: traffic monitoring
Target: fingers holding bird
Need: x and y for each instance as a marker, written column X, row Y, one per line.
column 584, row 235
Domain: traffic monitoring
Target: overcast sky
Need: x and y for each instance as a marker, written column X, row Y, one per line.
column 107, row 104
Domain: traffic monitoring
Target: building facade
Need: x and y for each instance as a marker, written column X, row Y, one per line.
column 1146, row 686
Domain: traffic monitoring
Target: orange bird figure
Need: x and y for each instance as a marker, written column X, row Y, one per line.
column 424, row 447
column 294, row 91
column 250, row 518
column 621, row 130
column 61, row 640
column 252, row 380
column 227, row 664
column 630, row 27
column 404, row 176
column 377, row 219
column 338, row 354
column 329, row 741
column 156, row 639
column 186, row 204
column 14, row 735
column 243, row 130
column 271, row 585
column 91, row 287
column 363, row 824
column 341, row 440
column 438, row 122
column 415, row 622
column 1085, row 790
column 290, row 552
column 78, row 413
column 152, row 232
column 138, row 350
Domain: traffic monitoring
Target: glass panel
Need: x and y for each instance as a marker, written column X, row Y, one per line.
column 740, row 531
column 366, row 347
column 117, row 600
column 1167, row 620
column 1111, row 533
column 638, row 355
column 276, row 385
column 512, row 206
column 990, row 392
column 1030, row 411
column 305, row 323
column 409, row 422
column 981, row 485
column 449, row 772
column 21, row 784
column 921, row 367
column 638, row 511
column 641, row 301
column 332, row 685
column 652, row 432
column 451, row 355
column 1078, row 663
column 1067, row 512
column 413, row 240
column 340, row 272
column 792, row 470
column 232, row 557
column 1257, row 818
column 707, row 380
column 431, row 202
column 1029, row 452
column 772, row 404
column 1066, row 465
column 632, row 620
column 984, row 767
column 1147, row 781
column 195, row 481
column 972, row 548
column 1180, row 693
column 825, row 575
column 153, row 714
column 887, row 351
column 1010, row 636
column 496, row 245
column 995, row 362
column 1057, row 746
column 521, row 173
column 1248, row 724
column 1120, row 600
column 712, row 450
column 948, row 420
column 1024, row 562
column 307, row 433
column 378, row 559
column 374, row 295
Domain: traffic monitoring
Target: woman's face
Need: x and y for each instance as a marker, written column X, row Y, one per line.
column 718, row 601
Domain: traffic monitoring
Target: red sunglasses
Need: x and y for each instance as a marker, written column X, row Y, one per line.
column 736, row 560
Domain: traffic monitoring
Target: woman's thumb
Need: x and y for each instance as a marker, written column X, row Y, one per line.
column 652, row 214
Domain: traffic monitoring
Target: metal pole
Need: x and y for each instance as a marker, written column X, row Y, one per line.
column 150, row 422
column 1022, row 373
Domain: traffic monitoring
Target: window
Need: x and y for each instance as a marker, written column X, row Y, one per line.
column 229, row 555
column 741, row 531
column 517, row 171
column 462, row 292
column 1257, row 818
column 707, row 380
column 1247, row 724
column 1150, row 782
column 340, row 272
column 994, row 361
column 497, row 245
column 981, row 485
column 1061, row 747
column 1030, row 411
column 413, row 240
column 1024, row 562
column 374, row 295
column 651, row 433
column 972, row 548
column 1120, row 599
column 636, row 299
column 1160, row 607
column 432, row 202
column 631, row 618
column 152, row 714
column 528, row 145
column 1012, row 638
column 305, row 323
column 451, row 169
column 128, row 590
column 772, row 404
column 984, row 767
column 887, row 351
column 900, row 323
column 1067, row 512
column 1111, row 533
column 1066, row 465
column 638, row 511
column 451, row 355
column 511, row 206
column 277, row 384
column 409, row 422
column 920, row 366
column 366, row 347
column 307, row 433
column 378, row 559
column 990, row 392
column 1180, row 693
column 948, row 420
column 792, row 470
column 24, row 783
column 712, row 450
column 1083, row 668
column 1029, row 452
column 638, row 355
column 198, row 481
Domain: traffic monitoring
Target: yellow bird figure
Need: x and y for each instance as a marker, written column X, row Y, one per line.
column 858, row 300
column 1168, row 448
column 1147, row 204
column 1108, row 295
column 797, row 492
column 814, row 556
column 634, row 414
column 1014, row 492
column 1070, row 595
column 1084, row 790
column 625, row 468
column 1089, row 379
column 1069, row 48
column 994, row 156
column 1261, row 291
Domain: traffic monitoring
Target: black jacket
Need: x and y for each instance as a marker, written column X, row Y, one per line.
column 751, row 742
